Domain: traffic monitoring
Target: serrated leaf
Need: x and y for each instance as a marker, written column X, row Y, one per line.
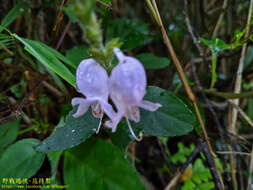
column 174, row 118
column 97, row 164
column 151, row 61
column 75, row 131
column 20, row 160
column 48, row 58
column 8, row 133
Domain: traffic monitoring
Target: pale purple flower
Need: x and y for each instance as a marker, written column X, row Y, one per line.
column 92, row 81
column 127, row 87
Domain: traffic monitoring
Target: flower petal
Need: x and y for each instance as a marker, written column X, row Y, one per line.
column 150, row 106
column 134, row 113
column 92, row 79
column 83, row 105
column 112, row 124
column 107, row 108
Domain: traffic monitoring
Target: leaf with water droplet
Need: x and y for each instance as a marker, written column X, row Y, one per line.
column 75, row 131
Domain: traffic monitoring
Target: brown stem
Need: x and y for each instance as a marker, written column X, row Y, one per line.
column 187, row 88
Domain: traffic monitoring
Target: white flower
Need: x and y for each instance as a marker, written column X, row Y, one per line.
column 127, row 87
column 92, row 81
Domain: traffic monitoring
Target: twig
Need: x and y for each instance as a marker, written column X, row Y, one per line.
column 243, row 114
column 234, row 112
column 250, row 171
column 6, row 49
column 212, row 166
column 239, row 72
column 220, row 55
column 219, row 105
column 25, row 100
column 188, row 90
column 211, row 4
column 233, row 152
column 63, row 35
column 201, row 52
column 240, row 173
column 247, row 136
column 58, row 21
column 104, row 4
column 228, row 95
column 188, row 24
column 209, row 105
column 173, row 182
column 52, row 89
column 217, row 26
column 27, row 120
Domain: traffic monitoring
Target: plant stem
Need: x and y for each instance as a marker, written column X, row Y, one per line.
column 237, row 89
column 188, row 90
column 228, row 95
column 250, row 171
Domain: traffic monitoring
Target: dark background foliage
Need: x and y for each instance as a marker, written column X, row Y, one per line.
column 40, row 100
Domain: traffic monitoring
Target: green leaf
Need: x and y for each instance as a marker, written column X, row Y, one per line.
column 108, row 2
column 182, row 154
column 13, row 14
column 200, row 172
column 216, row 45
column 54, row 158
column 57, row 54
column 97, row 164
column 6, row 40
column 121, row 138
column 132, row 33
column 174, row 118
column 77, row 54
column 48, row 58
column 20, row 160
column 151, row 61
column 188, row 185
column 70, row 11
column 8, row 133
column 206, row 186
column 75, row 131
